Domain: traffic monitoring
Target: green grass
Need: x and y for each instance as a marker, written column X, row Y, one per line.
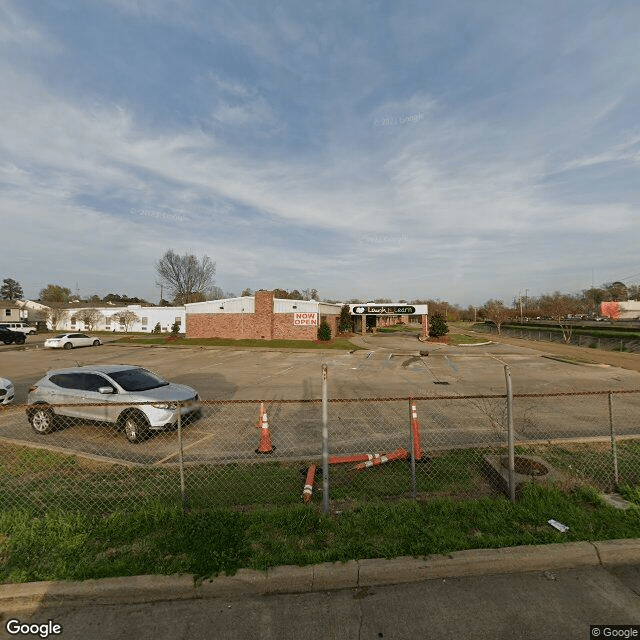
column 159, row 539
column 594, row 332
column 593, row 463
column 66, row 518
column 458, row 338
column 336, row 343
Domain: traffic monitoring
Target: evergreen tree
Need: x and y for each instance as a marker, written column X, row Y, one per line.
column 11, row 289
column 438, row 326
column 324, row 331
column 344, row 322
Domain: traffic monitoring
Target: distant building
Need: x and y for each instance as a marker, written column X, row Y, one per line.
column 626, row 310
column 112, row 318
column 11, row 311
column 260, row 317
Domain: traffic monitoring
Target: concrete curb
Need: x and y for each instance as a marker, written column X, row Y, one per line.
column 324, row 577
column 231, row 348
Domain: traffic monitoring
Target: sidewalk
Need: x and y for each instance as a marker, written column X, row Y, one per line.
column 547, row 591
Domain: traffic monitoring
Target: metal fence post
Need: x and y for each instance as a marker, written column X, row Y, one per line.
column 183, row 491
column 510, row 437
column 614, row 448
column 325, row 442
column 413, row 452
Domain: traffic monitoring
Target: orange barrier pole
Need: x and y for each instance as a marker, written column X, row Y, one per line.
column 415, row 428
column 418, row 454
column 265, row 437
column 308, row 484
column 398, row 454
column 360, row 457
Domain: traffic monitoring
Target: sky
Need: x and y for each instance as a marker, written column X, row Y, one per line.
column 449, row 150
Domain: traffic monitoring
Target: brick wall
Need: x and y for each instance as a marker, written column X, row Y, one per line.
column 263, row 324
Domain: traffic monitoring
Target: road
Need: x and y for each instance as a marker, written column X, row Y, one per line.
column 539, row 605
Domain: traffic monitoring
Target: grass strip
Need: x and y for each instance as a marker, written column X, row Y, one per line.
column 163, row 540
column 336, row 343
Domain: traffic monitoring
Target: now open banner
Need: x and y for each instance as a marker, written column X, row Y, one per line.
column 309, row 319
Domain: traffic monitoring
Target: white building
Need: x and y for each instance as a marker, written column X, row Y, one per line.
column 118, row 319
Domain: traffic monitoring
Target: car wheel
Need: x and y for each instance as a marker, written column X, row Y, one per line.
column 135, row 426
column 68, row 345
column 20, row 340
column 43, row 420
column 7, row 341
column 96, row 343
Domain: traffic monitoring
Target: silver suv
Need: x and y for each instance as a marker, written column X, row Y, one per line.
column 109, row 393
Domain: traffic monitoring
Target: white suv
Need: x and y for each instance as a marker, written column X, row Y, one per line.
column 22, row 327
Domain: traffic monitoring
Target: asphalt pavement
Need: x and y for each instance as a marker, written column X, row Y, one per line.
column 548, row 591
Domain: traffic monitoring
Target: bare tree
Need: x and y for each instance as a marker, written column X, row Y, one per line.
column 495, row 311
column 126, row 318
column 560, row 306
column 90, row 317
column 56, row 316
column 188, row 278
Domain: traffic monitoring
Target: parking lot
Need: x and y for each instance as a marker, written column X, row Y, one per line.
column 391, row 368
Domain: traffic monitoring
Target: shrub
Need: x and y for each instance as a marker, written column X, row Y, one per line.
column 175, row 328
column 438, row 326
column 324, row 331
column 157, row 328
column 344, row 322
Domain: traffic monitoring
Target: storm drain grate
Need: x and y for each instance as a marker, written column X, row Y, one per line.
column 440, row 382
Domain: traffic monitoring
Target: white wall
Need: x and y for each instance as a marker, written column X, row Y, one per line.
column 166, row 316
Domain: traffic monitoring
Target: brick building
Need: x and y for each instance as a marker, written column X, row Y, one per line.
column 260, row 317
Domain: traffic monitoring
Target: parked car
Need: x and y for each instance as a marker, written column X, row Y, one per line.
column 70, row 340
column 6, row 391
column 113, row 387
column 7, row 336
column 21, row 327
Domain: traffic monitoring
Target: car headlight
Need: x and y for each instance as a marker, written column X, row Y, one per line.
column 165, row 405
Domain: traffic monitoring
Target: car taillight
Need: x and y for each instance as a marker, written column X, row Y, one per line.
column 32, row 389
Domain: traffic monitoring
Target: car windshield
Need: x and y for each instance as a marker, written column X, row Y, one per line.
column 138, row 379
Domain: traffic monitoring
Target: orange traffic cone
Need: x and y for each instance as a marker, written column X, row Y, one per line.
column 415, row 430
column 308, row 484
column 359, row 457
column 398, row 454
column 265, row 437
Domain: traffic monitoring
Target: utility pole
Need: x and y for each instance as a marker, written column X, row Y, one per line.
column 520, row 298
column 159, row 284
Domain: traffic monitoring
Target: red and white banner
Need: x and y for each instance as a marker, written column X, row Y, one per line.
column 305, row 319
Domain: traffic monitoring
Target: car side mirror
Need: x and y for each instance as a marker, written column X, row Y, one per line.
column 106, row 390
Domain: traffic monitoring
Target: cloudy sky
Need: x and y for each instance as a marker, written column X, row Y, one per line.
column 459, row 151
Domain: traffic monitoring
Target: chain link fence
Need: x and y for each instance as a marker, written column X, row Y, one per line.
column 244, row 454
column 628, row 344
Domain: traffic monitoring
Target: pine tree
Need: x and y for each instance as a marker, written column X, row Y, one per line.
column 344, row 322
column 438, row 326
column 11, row 289
column 324, row 331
